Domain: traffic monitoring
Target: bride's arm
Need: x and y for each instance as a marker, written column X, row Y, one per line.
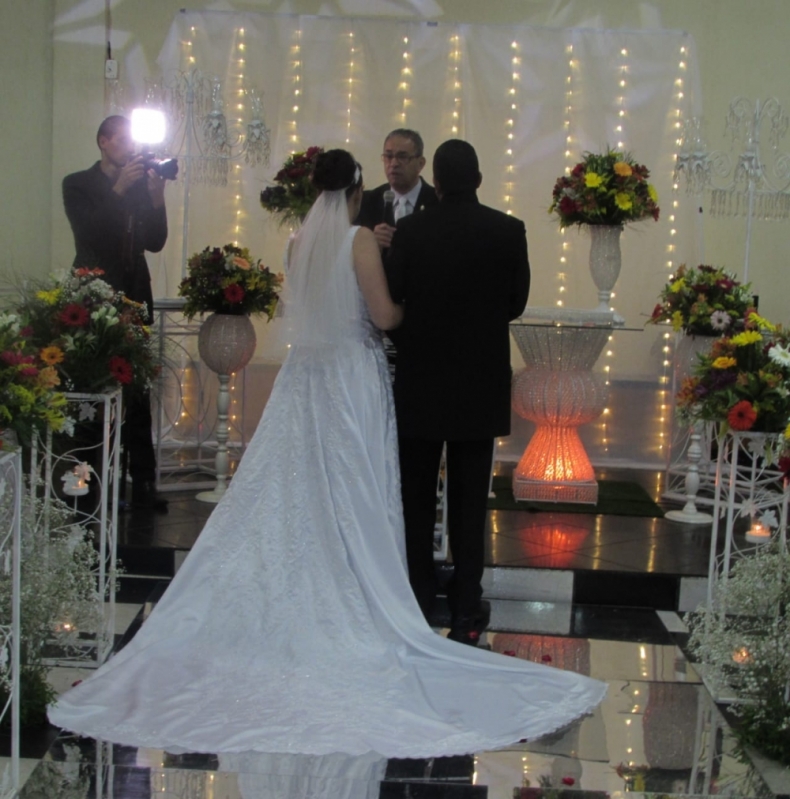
column 372, row 282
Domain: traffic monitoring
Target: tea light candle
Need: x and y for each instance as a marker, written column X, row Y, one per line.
column 758, row 533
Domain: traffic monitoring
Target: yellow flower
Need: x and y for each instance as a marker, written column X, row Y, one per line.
column 623, row 201
column 49, row 297
column 787, row 431
column 761, row 322
column 724, row 362
column 678, row 286
column 592, row 180
column 677, row 321
column 52, row 355
column 622, row 169
column 746, row 338
column 652, row 193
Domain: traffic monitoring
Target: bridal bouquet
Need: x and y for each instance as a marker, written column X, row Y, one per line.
column 744, row 382
column 29, row 398
column 293, row 194
column 703, row 300
column 95, row 338
column 607, row 189
column 228, row 281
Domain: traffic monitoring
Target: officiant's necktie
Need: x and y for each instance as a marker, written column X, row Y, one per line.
column 402, row 208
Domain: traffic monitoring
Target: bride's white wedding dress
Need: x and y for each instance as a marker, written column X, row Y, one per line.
column 291, row 626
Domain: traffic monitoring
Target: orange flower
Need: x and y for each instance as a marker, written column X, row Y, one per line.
column 51, row 355
column 622, row 169
column 48, row 377
column 241, row 263
column 742, row 416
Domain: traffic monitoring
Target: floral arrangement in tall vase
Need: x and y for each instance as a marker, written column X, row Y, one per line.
column 602, row 193
column 228, row 284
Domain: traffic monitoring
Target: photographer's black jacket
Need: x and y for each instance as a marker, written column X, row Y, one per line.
column 112, row 232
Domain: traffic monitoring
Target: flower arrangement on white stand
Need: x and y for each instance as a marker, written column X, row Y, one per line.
column 228, row 284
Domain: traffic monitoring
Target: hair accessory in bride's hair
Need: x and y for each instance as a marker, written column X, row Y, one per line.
column 357, row 177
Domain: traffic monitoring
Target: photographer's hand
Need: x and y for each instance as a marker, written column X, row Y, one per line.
column 156, row 189
column 129, row 175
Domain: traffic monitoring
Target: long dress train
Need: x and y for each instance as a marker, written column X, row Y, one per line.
column 291, row 626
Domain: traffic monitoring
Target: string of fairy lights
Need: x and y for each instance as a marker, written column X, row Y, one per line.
column 352, row 65
column 511, row 116
column 296, row 82
column 570, row 157
column 404, row 84
column 454, row 85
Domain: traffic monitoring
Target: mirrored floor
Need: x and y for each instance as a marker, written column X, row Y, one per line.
column 657, row 731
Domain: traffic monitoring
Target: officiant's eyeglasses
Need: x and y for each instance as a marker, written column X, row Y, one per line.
column 401, row 158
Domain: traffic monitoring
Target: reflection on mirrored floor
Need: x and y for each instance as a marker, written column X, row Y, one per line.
column 657, row 731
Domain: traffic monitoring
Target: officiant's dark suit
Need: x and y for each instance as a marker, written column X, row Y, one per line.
column 462, row 272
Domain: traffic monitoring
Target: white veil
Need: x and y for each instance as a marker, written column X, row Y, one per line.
column 320, row 305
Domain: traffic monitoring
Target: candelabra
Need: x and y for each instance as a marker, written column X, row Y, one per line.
column 752, row 185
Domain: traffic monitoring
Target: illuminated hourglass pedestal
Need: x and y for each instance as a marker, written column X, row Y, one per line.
column 559, row 392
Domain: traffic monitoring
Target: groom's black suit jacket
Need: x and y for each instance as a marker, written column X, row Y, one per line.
column 371, row 212
column 462, row 272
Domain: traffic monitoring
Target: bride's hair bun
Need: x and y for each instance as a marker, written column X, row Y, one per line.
column 335, row 170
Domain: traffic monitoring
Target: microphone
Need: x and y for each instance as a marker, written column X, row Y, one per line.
column 389, row 214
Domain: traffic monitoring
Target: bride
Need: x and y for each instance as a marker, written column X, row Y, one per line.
column 291, row 627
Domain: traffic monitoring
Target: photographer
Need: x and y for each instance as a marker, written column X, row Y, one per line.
column 117, row 211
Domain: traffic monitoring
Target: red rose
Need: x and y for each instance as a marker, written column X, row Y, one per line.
column 121, row 369
column 26, row 331
column 784, row 465
column 546, row 658
column 568, row 781
column 296, row 172
column 28, row 371
column 568, row 206
column 742, row 416
column 234, row 293
column 511, row 653
column 578, row 170
column 74, row 315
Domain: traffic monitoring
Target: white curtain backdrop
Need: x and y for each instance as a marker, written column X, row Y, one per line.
column 531, row 100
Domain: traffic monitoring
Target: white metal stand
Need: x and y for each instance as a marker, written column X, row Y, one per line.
column 221, row 462
column 92, row 647
column 746, row 485
column 10, row 553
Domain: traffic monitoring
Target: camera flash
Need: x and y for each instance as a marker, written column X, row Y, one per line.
column 148, row 126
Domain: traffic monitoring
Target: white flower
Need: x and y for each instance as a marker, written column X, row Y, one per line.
column 769, row 519
column 720, row 320
column 778, row 354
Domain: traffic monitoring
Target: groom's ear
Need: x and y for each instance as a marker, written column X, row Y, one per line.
column 479, row 180
column 437, row 187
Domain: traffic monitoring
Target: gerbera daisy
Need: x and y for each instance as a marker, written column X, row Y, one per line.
column 121, row 369
column 234, row 293
column 742, row 416
column 74, row 315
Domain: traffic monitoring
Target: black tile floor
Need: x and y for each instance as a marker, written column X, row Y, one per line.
column 595, row 594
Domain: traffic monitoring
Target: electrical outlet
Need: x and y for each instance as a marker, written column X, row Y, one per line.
column 111, row 69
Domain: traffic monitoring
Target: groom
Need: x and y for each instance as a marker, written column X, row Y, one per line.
column 462, row 272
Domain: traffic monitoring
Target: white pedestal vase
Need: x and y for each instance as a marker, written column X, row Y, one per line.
column 605, row 261
column 226, row 343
